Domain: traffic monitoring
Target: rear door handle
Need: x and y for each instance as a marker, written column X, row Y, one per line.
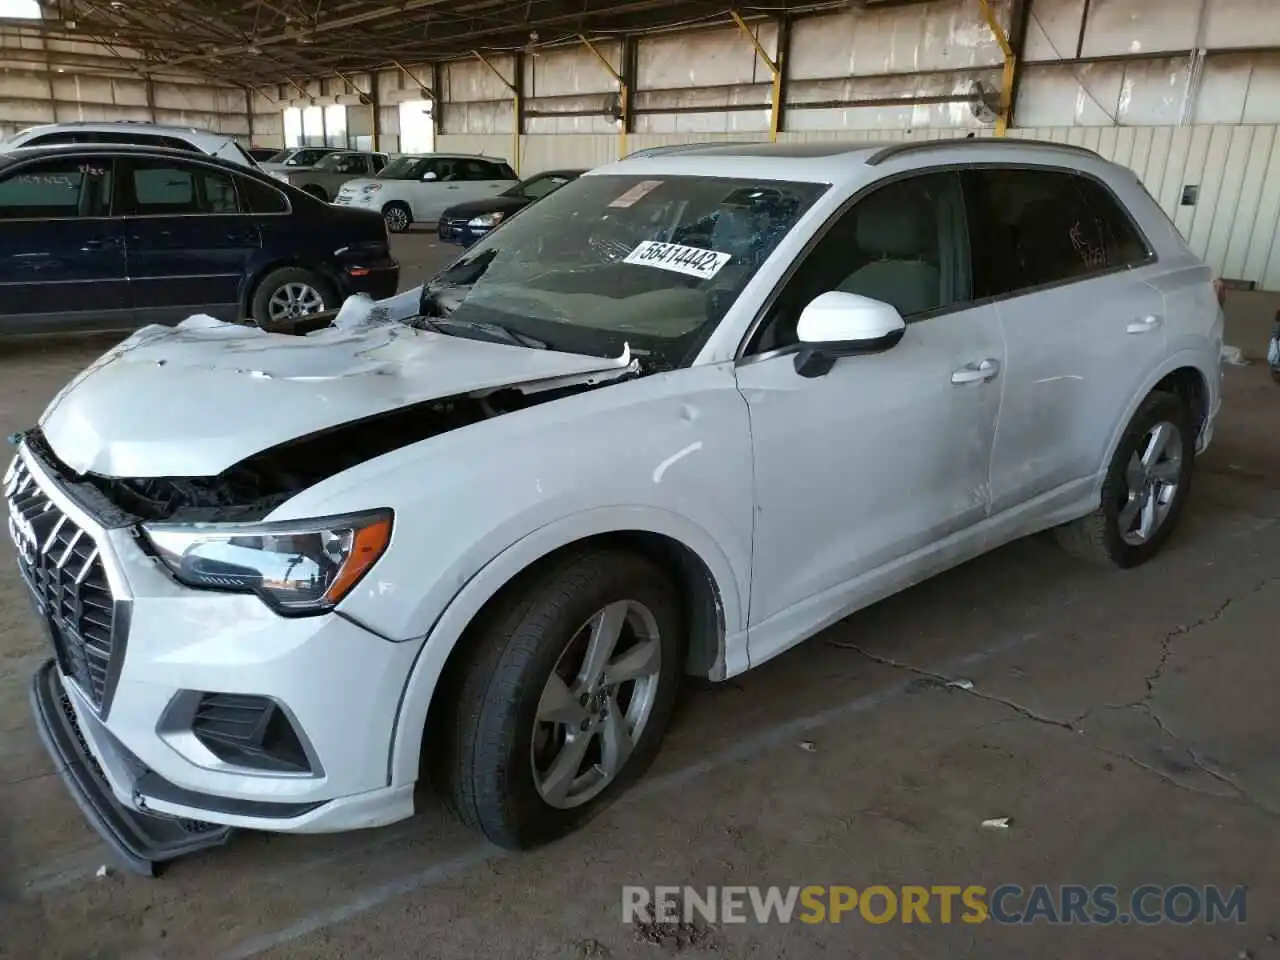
column 1145, row 325
column 977, row 372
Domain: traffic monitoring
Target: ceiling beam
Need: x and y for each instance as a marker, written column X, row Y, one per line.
column 377, row 13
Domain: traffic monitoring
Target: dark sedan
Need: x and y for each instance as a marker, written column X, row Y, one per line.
column 466, row 223
column 116, row 237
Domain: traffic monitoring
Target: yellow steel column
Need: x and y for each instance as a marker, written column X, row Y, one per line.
column 1010, row 67
column 775, row 68
column 623, row 94
column 515, row 107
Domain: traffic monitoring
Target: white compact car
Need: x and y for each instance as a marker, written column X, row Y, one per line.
column 673, row 419
column 191, row 139
column 418, row 188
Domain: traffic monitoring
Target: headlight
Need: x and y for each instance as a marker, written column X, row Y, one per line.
column 296, row 566
column 486, row 220
column 372, row 187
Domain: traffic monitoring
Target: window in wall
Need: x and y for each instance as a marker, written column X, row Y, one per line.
column 417, row 132
column 313, row 127
column 293, row 127
column 335, row 125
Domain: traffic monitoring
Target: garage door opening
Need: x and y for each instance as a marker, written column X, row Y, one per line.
column 417, row 129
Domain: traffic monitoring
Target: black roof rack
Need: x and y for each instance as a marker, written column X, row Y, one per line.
column 911, row 146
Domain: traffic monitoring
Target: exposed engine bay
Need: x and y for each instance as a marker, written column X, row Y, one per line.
column 249, row 490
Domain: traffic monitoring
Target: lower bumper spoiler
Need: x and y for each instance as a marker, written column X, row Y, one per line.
column 142, row 841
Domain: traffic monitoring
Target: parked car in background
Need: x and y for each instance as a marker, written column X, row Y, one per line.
column 190, row 139
column 417, row 188
column 672, row 420
column 262, row 154
column 326, row 176
column 291, row 157
column 465, row 223
column 115, row 237
column 1273, row 351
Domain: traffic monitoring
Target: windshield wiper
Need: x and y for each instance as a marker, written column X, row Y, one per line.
column 493, row 332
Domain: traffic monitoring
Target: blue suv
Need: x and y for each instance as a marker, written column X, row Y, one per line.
column 97, row 237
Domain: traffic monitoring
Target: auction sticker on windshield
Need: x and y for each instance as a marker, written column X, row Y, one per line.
column 691, row 261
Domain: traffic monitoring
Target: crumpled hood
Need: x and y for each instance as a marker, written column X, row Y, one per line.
column 194, row 399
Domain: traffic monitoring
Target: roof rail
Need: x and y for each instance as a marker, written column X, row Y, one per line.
column 911, row 146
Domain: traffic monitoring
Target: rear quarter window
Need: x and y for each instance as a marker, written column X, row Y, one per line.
column 257, row 197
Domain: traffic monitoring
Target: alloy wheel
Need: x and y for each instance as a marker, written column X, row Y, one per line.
column 293, row 300
column 596, row 704
column 397, row 219
column 1152, row 478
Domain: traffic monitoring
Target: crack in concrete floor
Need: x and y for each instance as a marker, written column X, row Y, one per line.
column 1143, row 705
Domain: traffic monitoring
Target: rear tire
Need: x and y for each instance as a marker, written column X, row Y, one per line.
column 308, row 292
column 398, row 216
column 1145, row 489
column 523, row 746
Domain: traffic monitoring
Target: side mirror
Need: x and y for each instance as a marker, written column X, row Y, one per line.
column 428, row 176
column 836, row 325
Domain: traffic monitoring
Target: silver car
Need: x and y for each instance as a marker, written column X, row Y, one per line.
column 326, row 176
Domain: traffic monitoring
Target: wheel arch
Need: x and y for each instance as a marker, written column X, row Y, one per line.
column 702, row 572
column 1182, row 374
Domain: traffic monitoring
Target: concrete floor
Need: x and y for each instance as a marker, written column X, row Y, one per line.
column 1124, row 721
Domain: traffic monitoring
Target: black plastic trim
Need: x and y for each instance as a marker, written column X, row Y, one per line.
column 140, row 840
column 152, row 785
column 914, row 146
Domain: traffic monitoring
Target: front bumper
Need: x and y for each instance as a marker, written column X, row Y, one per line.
column 131, row 757
column 141, row 840
column 457, row 230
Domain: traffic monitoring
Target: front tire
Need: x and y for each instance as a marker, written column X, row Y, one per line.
column 1145, row 489
column 561, row 698
column 398, row 216
column 317, row 192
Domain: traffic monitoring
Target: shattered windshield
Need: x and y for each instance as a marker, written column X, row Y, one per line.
column 611, row 260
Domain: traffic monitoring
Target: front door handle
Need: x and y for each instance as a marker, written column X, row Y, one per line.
column 1145, row 325
column 977, row 372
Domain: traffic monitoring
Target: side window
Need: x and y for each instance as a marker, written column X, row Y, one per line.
column 1036, row 229
column 257, row 197
column 350, row 163
column 504, row 172
column 445, row 169
column 164, row 188
column 903, row 244
column 1124, row 244
column 64, row 188
column 379, row 161
column 473, row 170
